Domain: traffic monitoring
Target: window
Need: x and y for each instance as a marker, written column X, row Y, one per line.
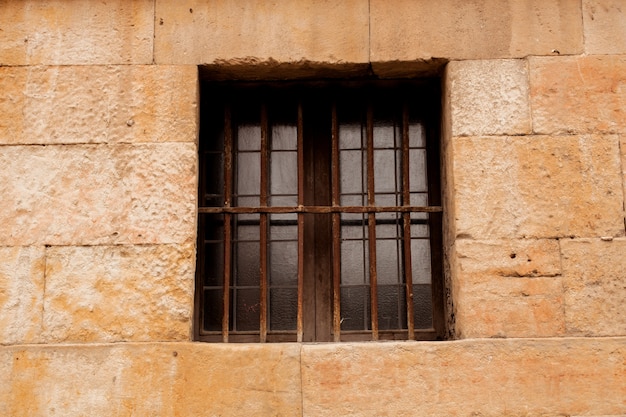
column 320, row 212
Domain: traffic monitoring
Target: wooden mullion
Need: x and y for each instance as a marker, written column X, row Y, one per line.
column 301, row 185
column 406, row 235
column 263, row 229
column 336, row 227
column 228, row 174
column 371, row 222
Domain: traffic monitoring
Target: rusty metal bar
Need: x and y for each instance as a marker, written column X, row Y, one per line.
column 299, row 319
column 228, row 173
column 406, row 235
column 336, row 227
column 321, row 209
column 263, row 226
column 371, row 201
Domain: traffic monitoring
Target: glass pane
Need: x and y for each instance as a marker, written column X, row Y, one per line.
column 213, row 308
column 355, row 308
column 350, row 136
column 247, row 309
column 417, row 136
column 284, row 137
column 248, row 173
column 387, row 262
column 213, row 264
column 354, row 259
column 279, row 231
column 283, row 263
column 284, row 173
column 284, row 201
column 420, row 261
column 214, row 174
column 390, row 229
column 353, row 229
column 384, row 136
column 352, row 178
column 419, row 231
column 391, row 307
column 417, row 164
column 283, row 309
column 249, row 138
column 422, row 307
column 248, row 265
column 386, row 179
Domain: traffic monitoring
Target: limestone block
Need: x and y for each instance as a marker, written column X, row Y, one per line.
column 21, row 294
column 234, row 33
column 537, row 186
column 578, row 94
column 150, row 379
column 118, row 293
column 59, row 32
column 409, row 30
column 90, row 104
column 98, row 194
column 507, row 288
column 605, row 26
column 488, row 97
column 489, row 378
column 594, row 281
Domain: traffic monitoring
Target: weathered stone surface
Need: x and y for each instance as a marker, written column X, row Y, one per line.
column 58, row 32
column 547, row 377
column 98, row 194
column 21, row 294
column 578, row 94
column 150, row 379
column 254, row 32
column 507, row 288
column 488, row 97
column 605, row 26
column 90, row 104
column 594, row 281
column 118, row 293
column 537, row 186
column 410, row 30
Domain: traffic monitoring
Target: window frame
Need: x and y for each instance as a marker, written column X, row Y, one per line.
column 310, row 206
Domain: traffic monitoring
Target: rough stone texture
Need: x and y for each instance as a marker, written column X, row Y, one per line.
column 488, row 97
column 89, row 104
column 471, row 378
column 538, row 186
column 409, row 30
column 118, row 293
column 605, row 26
column 58, row 32
column 98, row 194
column 594, row 281
column 235, row 33
column 21, row 293
column 507, row 288
column 156, row 379
column 578, row 94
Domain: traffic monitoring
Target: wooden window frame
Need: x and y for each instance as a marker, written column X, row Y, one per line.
column 318, row 209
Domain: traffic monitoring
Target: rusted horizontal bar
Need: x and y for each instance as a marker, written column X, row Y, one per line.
column 321, row 209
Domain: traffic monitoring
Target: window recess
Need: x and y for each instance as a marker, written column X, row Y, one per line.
column 319, row 212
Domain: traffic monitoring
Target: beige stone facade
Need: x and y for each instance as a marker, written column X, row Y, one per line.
column 99, row 126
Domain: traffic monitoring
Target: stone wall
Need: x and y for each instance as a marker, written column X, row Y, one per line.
column 98, row 180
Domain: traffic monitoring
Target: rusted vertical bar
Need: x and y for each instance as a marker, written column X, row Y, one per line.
column 336, row 227
column 299, row 321
column 371, row 223
column 263, row 226
column 406, row 235
column 228, row 173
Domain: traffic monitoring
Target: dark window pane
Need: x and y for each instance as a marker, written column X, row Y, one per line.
column 355, row 308
column 213, row 309
column 422, row 306
column 283, row 308
column 247, row 309
column 391, row 307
